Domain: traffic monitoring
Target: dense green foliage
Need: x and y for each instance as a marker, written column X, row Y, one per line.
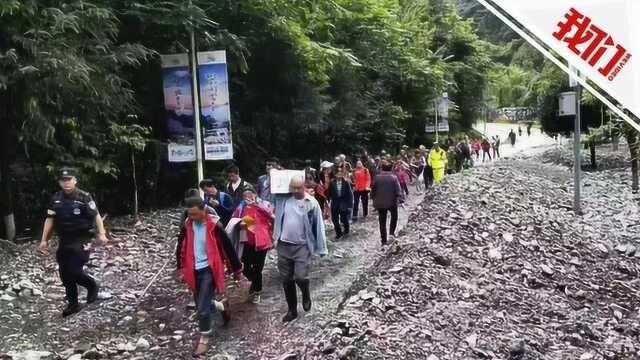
column 308, row 79
column 522, row 76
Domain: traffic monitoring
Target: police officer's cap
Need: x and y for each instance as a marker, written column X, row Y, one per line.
column 206, row 183
column 66, row 173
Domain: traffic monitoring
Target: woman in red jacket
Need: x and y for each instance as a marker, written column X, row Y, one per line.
column 361, row 189
column 256, row 223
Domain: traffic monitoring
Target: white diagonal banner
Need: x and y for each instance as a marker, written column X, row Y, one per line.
column 601, row 38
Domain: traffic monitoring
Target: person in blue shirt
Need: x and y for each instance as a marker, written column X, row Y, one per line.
column 220, row 201
column 264, row 184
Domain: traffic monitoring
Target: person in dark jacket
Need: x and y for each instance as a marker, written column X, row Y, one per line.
column 387, row 195
column 73, row 214
column 341, row 197
column 512, row 138
column 220, row 201
column 237, row 186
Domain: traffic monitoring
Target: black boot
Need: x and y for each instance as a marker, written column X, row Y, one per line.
column 292, row 301
column 71, row 309
column 306, row 294
column 92, row 294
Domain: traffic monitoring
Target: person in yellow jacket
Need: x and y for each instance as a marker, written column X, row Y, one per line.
column 438, row 161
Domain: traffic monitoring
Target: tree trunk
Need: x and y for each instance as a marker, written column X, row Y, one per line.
column 592, row 150
column 634, row 150
column 6, row 194
column 135, row 186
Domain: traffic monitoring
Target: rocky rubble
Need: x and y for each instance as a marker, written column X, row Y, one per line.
column 129, row 323
column 495, row 266
column 31, row 296
column 606, row 158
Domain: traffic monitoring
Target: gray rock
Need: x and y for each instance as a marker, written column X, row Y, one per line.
column 30, row 355
column 349, row 352
column 517, row 349
column 142, row 345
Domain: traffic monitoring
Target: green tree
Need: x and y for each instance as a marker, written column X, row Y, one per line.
column 60, row 85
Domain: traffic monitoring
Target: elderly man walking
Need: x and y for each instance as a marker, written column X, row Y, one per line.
column 298, row 234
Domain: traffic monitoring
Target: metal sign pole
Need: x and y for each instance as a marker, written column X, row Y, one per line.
column 196, row 108
column 436, row 104
column 577, row 156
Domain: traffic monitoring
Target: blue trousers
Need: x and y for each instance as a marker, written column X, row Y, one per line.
column 205, row 292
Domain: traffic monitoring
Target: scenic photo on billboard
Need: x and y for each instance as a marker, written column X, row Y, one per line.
column 178, row 106
column 214, row 105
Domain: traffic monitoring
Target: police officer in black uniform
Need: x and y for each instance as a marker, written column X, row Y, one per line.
column 73, row 214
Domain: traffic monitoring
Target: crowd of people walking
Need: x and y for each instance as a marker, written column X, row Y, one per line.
column 231, row 227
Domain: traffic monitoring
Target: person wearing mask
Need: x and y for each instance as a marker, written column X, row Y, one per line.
column 341, row 197
column 220, row 201
column 437, row 161
column 362, row 187
column 387, row 195
column 74, row 216
column 298, row 234
column 201, row 264
column 264, row 189
column 255, row 224
column 236, row 186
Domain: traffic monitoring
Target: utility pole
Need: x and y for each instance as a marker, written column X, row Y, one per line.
column 436, row 107
column 196, row 107
column 577, row 156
